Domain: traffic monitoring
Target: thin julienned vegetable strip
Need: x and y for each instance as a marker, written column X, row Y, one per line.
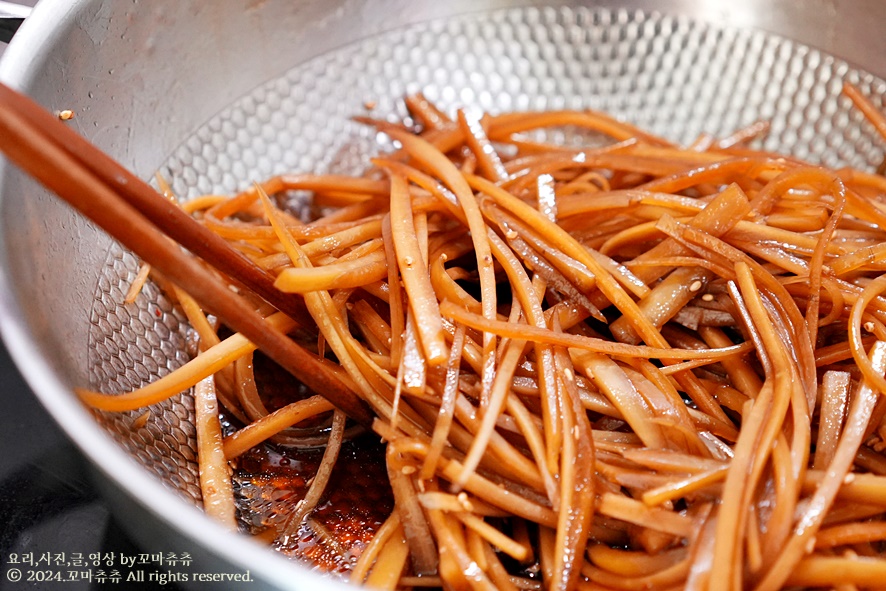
column 138, row 282
column 269, row 425
column 576, row 481
column 616, row 349
column 860, row 410
column 436, row 160
column 389, row 564
column 215, row 480
column 413, row 272
column 204, row 365
column 469, row 287
column 835, row 401
column 447, row 407
column 318, row 484
column 352, row 273
column 871, row 113
column 391, row 528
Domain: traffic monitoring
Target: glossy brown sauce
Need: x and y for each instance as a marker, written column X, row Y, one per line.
column 270, row 479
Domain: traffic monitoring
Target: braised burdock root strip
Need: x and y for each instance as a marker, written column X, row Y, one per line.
column 633, row 365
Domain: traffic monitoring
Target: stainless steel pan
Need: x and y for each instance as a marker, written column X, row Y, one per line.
column 217, row 95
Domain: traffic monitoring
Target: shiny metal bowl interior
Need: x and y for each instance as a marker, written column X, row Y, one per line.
column 269, row 87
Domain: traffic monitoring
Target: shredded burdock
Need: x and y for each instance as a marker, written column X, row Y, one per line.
column 632, row 365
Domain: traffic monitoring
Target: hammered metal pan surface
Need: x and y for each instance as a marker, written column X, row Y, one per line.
column 673, row 76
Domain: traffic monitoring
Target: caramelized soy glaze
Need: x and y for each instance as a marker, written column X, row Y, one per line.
column 271, row 479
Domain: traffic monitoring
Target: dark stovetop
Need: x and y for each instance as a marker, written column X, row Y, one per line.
column 48, row 504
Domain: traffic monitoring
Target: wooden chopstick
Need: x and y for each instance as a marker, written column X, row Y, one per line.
column 31, row 145
column 174, row 222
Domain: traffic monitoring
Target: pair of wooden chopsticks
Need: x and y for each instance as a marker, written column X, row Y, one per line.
column 143, row 221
